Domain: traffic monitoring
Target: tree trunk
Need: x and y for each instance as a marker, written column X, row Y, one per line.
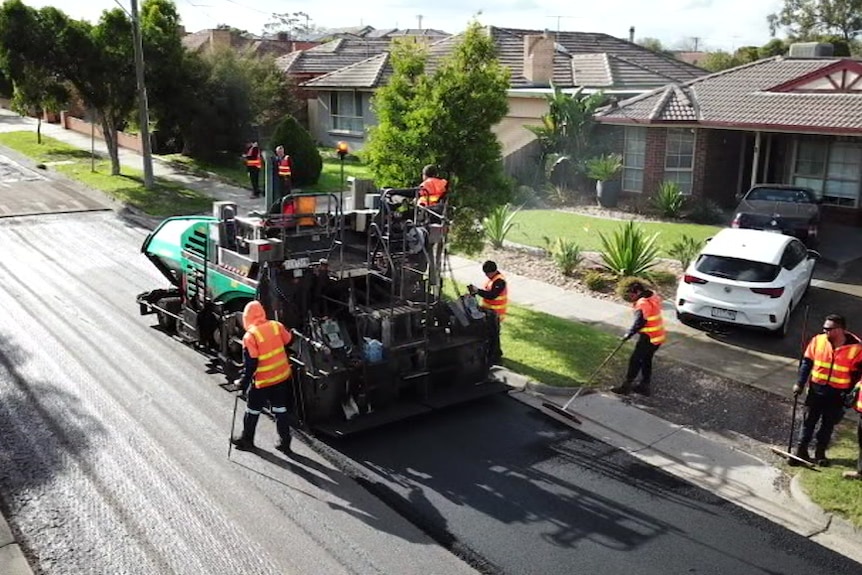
column 109, row 130
column 39, row 129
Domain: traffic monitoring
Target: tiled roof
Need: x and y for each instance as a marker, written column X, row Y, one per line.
column 367, row 73
column 748, row 96
column 630, row 64
column 203, row 39
column 581, row 59
column 332, row 55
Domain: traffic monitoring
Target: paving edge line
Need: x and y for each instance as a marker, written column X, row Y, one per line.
column 12, row 558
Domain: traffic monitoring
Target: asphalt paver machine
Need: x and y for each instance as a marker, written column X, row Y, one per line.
column 358, row 278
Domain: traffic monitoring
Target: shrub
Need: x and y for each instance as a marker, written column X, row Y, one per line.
column 661, row 277
column 629, row 251
column 298, row 144
column 596, row 280
column 706, row 212
column 566, row 254
column 669, row 200
column 604, row 168
column 526, row 196
column 624, row 283
column 685, row 249
column 497, row 224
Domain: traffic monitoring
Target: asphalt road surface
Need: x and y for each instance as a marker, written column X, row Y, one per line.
column 114, row 436
column 113, row 459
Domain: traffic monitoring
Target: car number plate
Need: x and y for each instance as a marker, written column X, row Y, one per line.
column 719, row 313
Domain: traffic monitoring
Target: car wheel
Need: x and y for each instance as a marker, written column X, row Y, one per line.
column 782, row 331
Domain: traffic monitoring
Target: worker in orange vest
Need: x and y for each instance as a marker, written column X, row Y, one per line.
column 649, row 324
column 267, row 375
column 253, row 164
column 831, row 363
column 495, row 298
column 283, row 172
column 433, row 188
column 854, row 400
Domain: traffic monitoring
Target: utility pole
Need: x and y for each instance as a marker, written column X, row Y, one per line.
column 142, row 98
column 419, row 18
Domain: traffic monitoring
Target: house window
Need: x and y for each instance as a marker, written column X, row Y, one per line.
column 345, row 108
column 832, row 169
column 679, row 157
column 634, row 158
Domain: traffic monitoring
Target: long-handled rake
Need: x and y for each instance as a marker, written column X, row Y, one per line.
column 564, row 410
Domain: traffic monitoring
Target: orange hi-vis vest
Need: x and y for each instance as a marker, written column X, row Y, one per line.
column 252, row 158
column 650, row 307
column 499, row 304
column 284, row 170
column 432, row 191
column 832, row 367
column 266, row 342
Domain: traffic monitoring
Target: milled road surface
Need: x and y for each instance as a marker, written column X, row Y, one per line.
column 114, row 437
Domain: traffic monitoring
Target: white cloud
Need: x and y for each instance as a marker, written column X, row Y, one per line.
column 726, row 24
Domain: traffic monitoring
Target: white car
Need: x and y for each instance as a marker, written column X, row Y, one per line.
column 746, row 277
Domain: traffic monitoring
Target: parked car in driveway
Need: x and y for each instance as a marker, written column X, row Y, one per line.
column 748, row 278
column 779, row 208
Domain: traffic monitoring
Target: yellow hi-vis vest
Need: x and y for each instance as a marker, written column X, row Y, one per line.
column 266, row 342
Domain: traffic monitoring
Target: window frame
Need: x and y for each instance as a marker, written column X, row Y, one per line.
column 819, row 181
column 675, row 171
column 637, row 170
column 347, row 123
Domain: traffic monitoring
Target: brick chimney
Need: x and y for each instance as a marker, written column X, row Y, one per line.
column 220, row 39
column 539, row 58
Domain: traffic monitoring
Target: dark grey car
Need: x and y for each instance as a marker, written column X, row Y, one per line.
column 790, row 210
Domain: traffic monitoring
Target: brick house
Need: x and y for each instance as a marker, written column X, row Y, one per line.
column 342, row 109
column 794, row 120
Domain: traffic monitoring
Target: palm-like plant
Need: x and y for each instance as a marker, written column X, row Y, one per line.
column 629, row 251
column 669, row 200
column 497, row 224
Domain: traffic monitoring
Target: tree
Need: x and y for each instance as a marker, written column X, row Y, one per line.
column 449, row 119
column 306, row 162
column 653, row 44
column 291, row 22
column 394, row 149
column 807, row 19
column 36, row 92
column 775, row 47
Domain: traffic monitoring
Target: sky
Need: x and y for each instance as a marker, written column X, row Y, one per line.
column 716, row 24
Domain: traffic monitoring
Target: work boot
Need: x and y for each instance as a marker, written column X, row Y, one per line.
column 283, row 445
column 243, row 443
column 820, row 456
column 623, row 389
column 802, row 453
column 642, row 390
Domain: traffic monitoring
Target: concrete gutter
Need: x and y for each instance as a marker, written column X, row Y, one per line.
column 12, row 559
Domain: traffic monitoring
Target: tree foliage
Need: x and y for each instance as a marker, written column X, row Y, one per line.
column 653, row 44
column 809, row 19
column 449, row 118
column 36, row 92
column 298, row 144
column 394, row 149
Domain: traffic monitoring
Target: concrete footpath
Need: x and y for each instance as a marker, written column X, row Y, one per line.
column 710, row 461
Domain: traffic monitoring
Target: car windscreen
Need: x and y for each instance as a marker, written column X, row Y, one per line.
column 737, row 269
column 780, row 195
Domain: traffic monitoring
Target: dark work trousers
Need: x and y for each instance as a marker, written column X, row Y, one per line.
column 278, row 397
column 254, row 178
column 495, row 351
column 825, row 407
column 641, row 362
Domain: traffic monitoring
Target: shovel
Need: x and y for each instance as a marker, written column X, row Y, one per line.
column 564, row 410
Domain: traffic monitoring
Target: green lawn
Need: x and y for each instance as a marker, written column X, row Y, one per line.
column 827, row 488
column 552, row 350
column 233, row 170
column 532, row 226
column 165, row 199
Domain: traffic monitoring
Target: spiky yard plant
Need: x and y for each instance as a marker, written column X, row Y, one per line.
column 629, row 250
column 498, row 223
